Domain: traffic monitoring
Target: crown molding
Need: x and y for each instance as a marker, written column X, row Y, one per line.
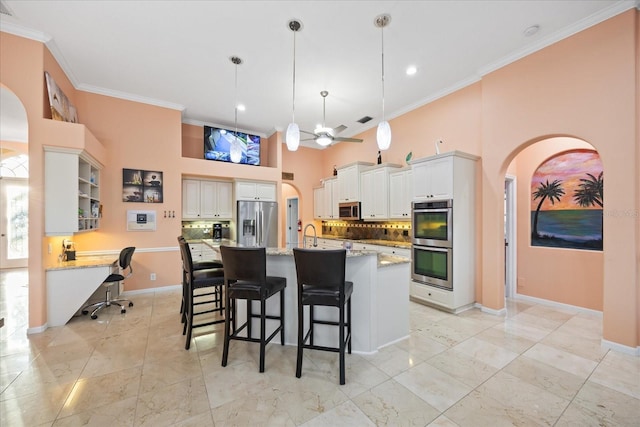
column 594, row 19
column 20, row 30
column 130, row 97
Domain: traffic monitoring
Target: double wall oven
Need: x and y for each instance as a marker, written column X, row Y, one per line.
column 432, row 244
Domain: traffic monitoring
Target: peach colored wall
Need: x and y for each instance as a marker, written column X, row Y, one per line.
column 308, row 170
column 583, row 87
column 564, row 275
column 455, row 119
column 637, row 210
column 192, row 141
column 13, row 148
column 136, row 136
column 21, row 71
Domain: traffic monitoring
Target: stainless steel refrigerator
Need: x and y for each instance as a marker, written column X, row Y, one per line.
column 257, row 224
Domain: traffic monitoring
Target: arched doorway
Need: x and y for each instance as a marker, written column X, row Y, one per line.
column 14, row 175
column 292, row 204
column 555, row 275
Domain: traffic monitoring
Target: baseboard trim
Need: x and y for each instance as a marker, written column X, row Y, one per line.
column 556, row 304
column 620, row 347
column 37, row 329
column 501, row 312
column 150, row 290
column 394, row 341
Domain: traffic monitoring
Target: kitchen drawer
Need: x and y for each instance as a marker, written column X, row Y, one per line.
column 431, row 295
column 389, row 250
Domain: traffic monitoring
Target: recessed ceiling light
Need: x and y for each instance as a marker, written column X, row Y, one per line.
column 530, row 31
column 411, row 70
column 241, row 107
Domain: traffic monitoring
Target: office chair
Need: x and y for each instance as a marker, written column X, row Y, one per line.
column 125, row 262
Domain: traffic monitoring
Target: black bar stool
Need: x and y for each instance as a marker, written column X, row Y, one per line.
column 321, row 282
column 197, row 266
column 245, row 277
column 201, row 279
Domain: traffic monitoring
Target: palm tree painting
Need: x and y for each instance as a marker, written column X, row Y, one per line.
column 567, row 190
column 546, row 191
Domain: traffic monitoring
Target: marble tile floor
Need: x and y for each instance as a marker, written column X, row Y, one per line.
column 535, row 366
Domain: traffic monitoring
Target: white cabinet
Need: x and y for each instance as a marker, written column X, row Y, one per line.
column 389, row 250
column 374, row 187
column 203, row 199
column 329, row 243
column 433, row 177
column 349, row 181
column 329, row 201
column 249, row 190
column 400, row 194
column 71, row 192
column 318, row 202
column 451, row 175
column 202, row 252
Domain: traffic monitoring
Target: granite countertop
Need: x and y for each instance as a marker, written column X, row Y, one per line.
column 289, row 252
column 384, row 260
column 84, row 262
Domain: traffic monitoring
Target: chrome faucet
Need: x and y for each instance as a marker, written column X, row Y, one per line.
column 304, row 236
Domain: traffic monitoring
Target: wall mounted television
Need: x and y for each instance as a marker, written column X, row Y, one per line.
column 217, row 145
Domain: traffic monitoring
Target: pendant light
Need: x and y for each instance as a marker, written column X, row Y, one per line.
column 235, row 150
column 383, row 135
column 292, row 137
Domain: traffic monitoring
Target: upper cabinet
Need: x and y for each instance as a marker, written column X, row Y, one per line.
column 374, row 187
column 349, row 181
column 433, row 178
column 203, row 199
column 318, row 202
column 400, row 194
column 250, row 190
column 71, row 191
column 329, row 199
column 443, row 176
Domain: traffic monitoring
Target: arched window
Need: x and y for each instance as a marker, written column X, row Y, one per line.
column 15, row 166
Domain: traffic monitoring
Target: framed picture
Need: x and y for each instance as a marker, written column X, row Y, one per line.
column 141, row 186
column 61, row 108
column 55, row 98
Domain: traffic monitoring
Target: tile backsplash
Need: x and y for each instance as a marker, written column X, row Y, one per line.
column 194, row 230
column 360, row 230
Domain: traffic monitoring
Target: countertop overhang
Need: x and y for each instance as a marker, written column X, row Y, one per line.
column 384, row 260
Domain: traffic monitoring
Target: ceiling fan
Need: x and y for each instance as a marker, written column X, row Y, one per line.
column 325, row 136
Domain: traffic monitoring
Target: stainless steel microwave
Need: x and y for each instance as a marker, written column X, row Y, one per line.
column 349, row 210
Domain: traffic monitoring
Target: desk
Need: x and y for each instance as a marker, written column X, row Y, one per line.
column 71, row 283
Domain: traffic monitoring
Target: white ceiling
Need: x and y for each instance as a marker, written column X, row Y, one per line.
column 176, row 53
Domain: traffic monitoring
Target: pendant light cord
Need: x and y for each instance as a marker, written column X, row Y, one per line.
column 382, row 33
column 235, row 109
column 293, row 101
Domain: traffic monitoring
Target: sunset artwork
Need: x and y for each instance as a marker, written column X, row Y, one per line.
column 567, row 201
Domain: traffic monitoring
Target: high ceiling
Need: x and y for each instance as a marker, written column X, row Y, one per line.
column 177, row 53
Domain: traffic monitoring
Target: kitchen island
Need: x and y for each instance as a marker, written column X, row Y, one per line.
column 379, row 303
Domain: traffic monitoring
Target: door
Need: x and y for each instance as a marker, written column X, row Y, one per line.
column 510, row 253
column 14, row 237
column 292, row 223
